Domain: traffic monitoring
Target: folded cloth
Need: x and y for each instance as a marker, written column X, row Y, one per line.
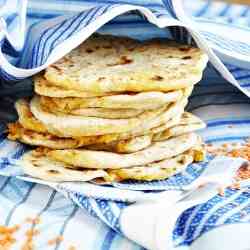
column 51, row 39
column 157, row 220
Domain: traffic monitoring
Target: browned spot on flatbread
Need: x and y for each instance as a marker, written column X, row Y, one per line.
column 186, row 58
column 157, row 78
column 56, row 67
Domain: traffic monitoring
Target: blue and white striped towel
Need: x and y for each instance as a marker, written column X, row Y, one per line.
column 33, row 35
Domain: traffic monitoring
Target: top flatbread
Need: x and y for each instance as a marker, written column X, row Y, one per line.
column 111, row 64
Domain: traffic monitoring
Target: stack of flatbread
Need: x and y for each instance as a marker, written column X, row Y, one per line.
column 113, row 109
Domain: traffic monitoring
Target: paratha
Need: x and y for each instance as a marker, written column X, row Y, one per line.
column 77, row 126
column 188, row 123
column 154, row 171
column 115, row 141
column 26, row 118
column 179, row 130
column 108, row 113
column 167, row 119
column 17, row 132
column 45, row 88
column 143, row 100
column 105, row 63
column 124, row 146
column 42, row 167
column 38, row 165
column 108, row 160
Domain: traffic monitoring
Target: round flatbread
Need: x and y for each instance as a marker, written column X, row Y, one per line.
column 31, row 136
column 42, row 167
column 36, row 164
column 26, row 118
column 153, row 171
column 118, row 64
column 108, row 160
column 188, row 123
column 124, row 146
column 144, row 100
column 106, row 113
column 77, row 126
column 45, row 88
column 17, row 132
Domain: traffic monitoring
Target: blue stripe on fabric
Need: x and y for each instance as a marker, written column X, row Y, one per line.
column 143, row 3
column 56, row 35
column 245, row 85
column 226, row 139
column 237, row 217
column 226, row 122
column 48, row 204
column 37, row 46
column 214, row 104
column 11, row 212
column 66, row 222
column 225, row 10
column 169, row 6
column 107, row 242
column 5, row 183
column 42, row 45
column 38, row 15
column 203, row 10
column 186, row 231
column 227, row 44
column 10, row 18
column 93, row 15
column 83, row 16
column 222, row 211
column 198, row 217
column 242, row 77
column 245, row 12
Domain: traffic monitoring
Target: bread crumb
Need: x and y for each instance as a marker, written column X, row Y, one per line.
column 28, row 243
column 35, row 220
column 6, row 236
column 72, row 248
column 234, row 150
column 55, row 240
column 221, row 191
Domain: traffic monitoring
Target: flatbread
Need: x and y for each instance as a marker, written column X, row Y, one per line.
column 45, row 88
column 77, row 126
column 17, row 132
column 164, row 121
column 26, row 118
column 102, row 142
column 108, row 160
column 105, row 63
column 106, row 113
column 153, row 171
column 182, row 128
column 187, row 124
column 40, row 166
column 143, row 100
column 124, row 146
